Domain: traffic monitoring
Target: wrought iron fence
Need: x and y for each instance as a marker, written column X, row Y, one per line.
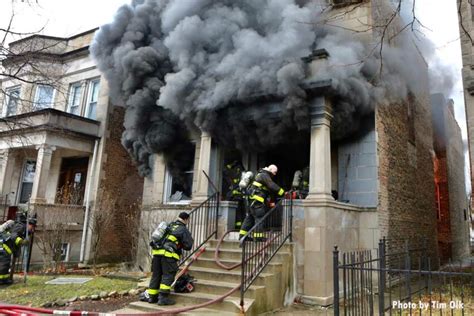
column 375, row 282
column 202, row 224
column 262, row 242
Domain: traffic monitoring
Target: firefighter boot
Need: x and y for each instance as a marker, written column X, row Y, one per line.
column 150, row 298
column 164, row 299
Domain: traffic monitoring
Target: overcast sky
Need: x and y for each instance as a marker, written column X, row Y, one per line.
column 66, row 18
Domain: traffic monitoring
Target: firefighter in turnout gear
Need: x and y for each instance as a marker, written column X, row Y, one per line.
column 11, row 240
column 232, row 176
column 165, row 261
column 261, row 191
column 300, row 183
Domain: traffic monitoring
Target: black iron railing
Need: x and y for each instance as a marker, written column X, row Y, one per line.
column 375, row 282
column 263, row 241
column 202, row 224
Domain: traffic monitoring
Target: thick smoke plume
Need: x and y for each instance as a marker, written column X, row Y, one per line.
column 234, row 69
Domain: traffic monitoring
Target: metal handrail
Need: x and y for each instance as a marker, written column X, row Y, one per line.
column 276, row 226
column 202, row 224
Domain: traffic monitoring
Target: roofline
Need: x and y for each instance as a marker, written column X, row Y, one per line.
column 54, row 37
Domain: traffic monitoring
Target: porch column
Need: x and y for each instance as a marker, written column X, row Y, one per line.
column 204, row 164
column 320, row 150
column 43, row 165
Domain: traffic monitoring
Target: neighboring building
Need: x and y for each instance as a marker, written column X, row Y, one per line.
column 450, row 189
column 466, row 29
column 384, row 176
column 61, row 155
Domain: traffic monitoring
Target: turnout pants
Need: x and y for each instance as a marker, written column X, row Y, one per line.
column 5, row 262
column 164, row 270
column 239, row 213
column 257, row 211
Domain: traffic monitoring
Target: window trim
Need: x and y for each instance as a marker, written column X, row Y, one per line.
column 80, row 85
column 35, row 100
column 89, row 97
column 7, row 99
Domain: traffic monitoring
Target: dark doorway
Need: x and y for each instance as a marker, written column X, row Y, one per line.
column 72, row 181
column 288, row 157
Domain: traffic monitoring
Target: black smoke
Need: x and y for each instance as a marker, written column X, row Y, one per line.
column 233, row 69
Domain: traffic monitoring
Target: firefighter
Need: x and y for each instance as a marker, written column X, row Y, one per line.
column 261, row 191
column 165, row 261
column 11, row 241
column 232, row 176
column 300, row 183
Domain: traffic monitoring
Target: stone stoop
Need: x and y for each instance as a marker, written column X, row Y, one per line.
column 265, row 294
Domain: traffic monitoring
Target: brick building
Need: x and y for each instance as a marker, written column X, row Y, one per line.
column 466, row 29
column 61, row 155
column 451, row 199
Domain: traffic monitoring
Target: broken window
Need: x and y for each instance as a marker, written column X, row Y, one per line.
column 179, row 177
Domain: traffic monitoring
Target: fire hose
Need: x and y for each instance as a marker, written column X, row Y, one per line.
column 25, row 310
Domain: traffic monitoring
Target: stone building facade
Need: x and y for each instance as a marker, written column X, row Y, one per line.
column 61, row 152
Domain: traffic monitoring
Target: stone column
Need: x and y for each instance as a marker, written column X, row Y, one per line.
column 320, row 150
column 43, row 165
column 204, row 164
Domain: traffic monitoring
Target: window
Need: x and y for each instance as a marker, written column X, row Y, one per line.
column 91, row 110
column 74, row 103
column 44, row 97
column 61, row 252
column 28, row 175
column 13, row 95
column 179, row 183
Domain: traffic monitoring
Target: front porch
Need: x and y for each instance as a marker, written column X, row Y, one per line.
column 46, row 169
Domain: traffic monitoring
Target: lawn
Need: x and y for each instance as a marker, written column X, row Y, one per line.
column 35, row 292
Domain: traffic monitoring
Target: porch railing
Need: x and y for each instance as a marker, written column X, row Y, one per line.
column 202, row 224
column 375, row 282
column 262, row 242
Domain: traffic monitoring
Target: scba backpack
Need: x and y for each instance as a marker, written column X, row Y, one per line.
column 184, row 284
column 158, row 237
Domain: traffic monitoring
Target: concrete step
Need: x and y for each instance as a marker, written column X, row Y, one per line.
column 140, row 307
column 210, row 274
column 236, row 254
column 272, row 266
column 235, row 244
column 230, row 304
column 219, row 288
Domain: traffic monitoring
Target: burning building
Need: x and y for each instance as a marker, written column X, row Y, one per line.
column 450, row 189
column 340, row 89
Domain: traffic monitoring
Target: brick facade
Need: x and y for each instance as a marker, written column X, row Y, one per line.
column 406, row 179
column 120, row 192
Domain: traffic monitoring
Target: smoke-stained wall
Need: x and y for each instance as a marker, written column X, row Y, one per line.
column 357, row 176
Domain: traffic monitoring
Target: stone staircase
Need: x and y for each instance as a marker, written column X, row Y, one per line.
column 265, row 294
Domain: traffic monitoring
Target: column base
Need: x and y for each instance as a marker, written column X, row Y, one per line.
column 38, row 201
column 320, row 196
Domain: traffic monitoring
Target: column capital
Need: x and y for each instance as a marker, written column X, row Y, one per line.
column 320, row 112
column 46, row 148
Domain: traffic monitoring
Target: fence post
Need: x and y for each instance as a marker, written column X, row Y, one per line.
column 381, row 276
column 217, row 197
column 335, row 267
